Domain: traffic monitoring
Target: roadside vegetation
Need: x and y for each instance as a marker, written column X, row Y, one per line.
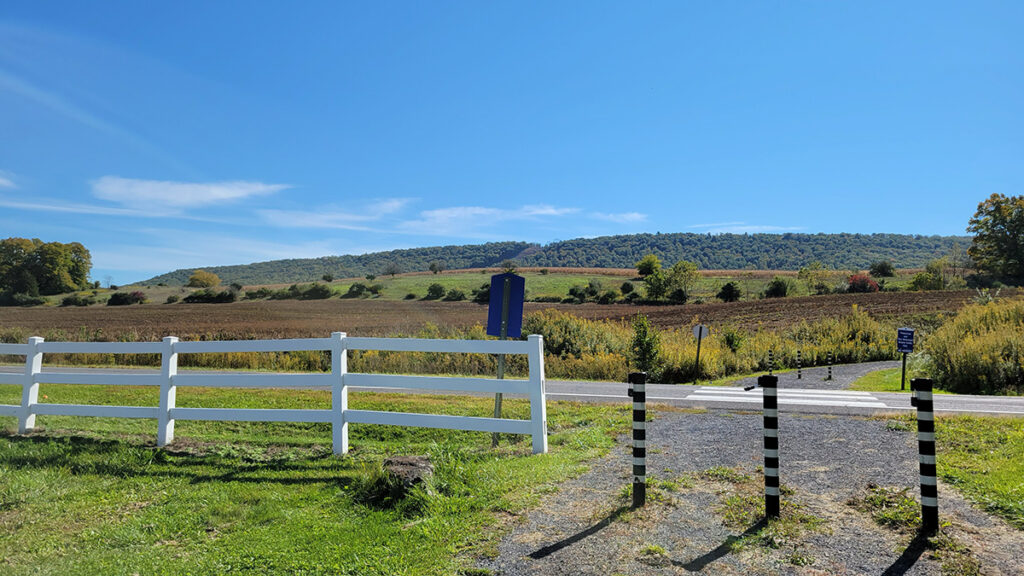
column 270, row 498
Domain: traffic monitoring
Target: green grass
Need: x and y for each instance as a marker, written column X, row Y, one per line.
column 886, row 381
column 983, row 457
column 94, row 496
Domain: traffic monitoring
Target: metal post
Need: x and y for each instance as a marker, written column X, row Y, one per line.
column 501, row 357
column 926, row 455
column 799, row 373
column 638, row 380
column 769, row 385
column 696, row 364
column 903, row 379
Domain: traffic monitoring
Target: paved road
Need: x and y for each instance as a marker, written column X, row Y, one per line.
column 809, row 394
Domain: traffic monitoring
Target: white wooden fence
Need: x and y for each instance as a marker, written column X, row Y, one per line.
column 339, row 380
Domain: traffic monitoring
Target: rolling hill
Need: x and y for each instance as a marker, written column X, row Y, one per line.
column 718, row 251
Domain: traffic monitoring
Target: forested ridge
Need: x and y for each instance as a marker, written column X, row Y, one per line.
column 710, row 251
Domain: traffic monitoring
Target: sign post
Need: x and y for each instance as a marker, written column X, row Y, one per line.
column 504, row 319
column 699, row 332
column 905, row 345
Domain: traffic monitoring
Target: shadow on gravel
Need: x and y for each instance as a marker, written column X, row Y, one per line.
column 701, row 562
column 909, row 557
column 552, row 548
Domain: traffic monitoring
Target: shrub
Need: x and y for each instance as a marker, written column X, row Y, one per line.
column 980, row 351
column 777, row 288
column 861, row 283
column 730, row 292
column 172, row 299
column 626, row 288
column 258, row 293
column 543, row 271
column 482, row 295
column 926, row 281
column 236, row 287
column 646, row 347
column 410, row 296
column 435, row 291
column 881, row 269
column 608, row 297
column 375, row 289
column 209, row 296
column 316, row 291
column 356, row 290
column 20, row 299
column 126, row 298
column 455, row 295
column 678, row 296
column 202, row 279
column 327, row 277
column 77, row 300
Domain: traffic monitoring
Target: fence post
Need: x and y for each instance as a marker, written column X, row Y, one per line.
column 339, row 393
column 538, row 395
column 769, row 385
column 168, row 392
column 926, row 455
column 639, row 382
column 799, row 374
column 29, row 387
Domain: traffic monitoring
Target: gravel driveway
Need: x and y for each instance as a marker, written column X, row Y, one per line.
column 826, row 461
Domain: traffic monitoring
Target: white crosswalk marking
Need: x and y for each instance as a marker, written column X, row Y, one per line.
column 841, row 398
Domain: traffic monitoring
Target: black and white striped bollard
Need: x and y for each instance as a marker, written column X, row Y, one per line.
column 926, row 455
column 829, row 366
column 638, row 381
column 771, row 363
column 769, row 386
column 799, row 374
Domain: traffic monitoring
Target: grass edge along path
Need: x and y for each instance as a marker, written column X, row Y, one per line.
column 93, row 495
column 982, row 457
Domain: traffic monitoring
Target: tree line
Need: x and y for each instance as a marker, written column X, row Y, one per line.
column 33, row 268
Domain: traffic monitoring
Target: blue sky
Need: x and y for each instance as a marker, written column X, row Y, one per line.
column 190, row 134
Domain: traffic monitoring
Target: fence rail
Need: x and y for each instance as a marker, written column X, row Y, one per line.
column 339, row 380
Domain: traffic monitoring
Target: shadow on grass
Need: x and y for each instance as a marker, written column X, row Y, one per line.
column 909, row 557
column 85, row 455
column 566, row 542
column 701, row 562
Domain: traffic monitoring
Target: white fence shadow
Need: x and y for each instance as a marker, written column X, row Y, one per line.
column 339, row 380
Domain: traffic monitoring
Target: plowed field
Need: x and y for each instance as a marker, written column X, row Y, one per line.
column 292, row 319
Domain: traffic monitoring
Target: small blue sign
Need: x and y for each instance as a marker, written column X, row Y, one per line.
column 905, row 340
column 516, row 295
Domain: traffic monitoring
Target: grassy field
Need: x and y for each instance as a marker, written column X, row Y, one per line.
column 889, row 381
column 93, row 496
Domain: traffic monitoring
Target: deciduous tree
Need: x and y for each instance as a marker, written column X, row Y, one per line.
column 998, row 228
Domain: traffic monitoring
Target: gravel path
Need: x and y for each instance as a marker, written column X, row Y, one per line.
column 843, row 375
column 585, row 528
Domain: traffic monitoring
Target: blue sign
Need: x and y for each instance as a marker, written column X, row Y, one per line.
column 516, row 295
column 905, row 340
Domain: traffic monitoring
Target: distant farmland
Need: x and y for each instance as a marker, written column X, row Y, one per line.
column 377, row 317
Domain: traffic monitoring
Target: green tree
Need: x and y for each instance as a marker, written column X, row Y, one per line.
column 54, row 267
column 436, row 267
column 683, row 276
column 435, row 291
column 656, row 284
column 203, row 279
column 882, row 269
column 998, row 245
column 815, row 276
column 647, row 265
column 730, row 292
column 646, row 347
column 777, row 288
column 327, row 277
column 391, row 269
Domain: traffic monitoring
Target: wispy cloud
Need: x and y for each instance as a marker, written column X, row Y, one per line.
column 44, row 205
column 7, row 180
column 171, row 198
column 622, row 217
column 333, row 218
column 466, row 221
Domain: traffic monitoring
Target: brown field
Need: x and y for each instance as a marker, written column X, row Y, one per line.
column 294, row 319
